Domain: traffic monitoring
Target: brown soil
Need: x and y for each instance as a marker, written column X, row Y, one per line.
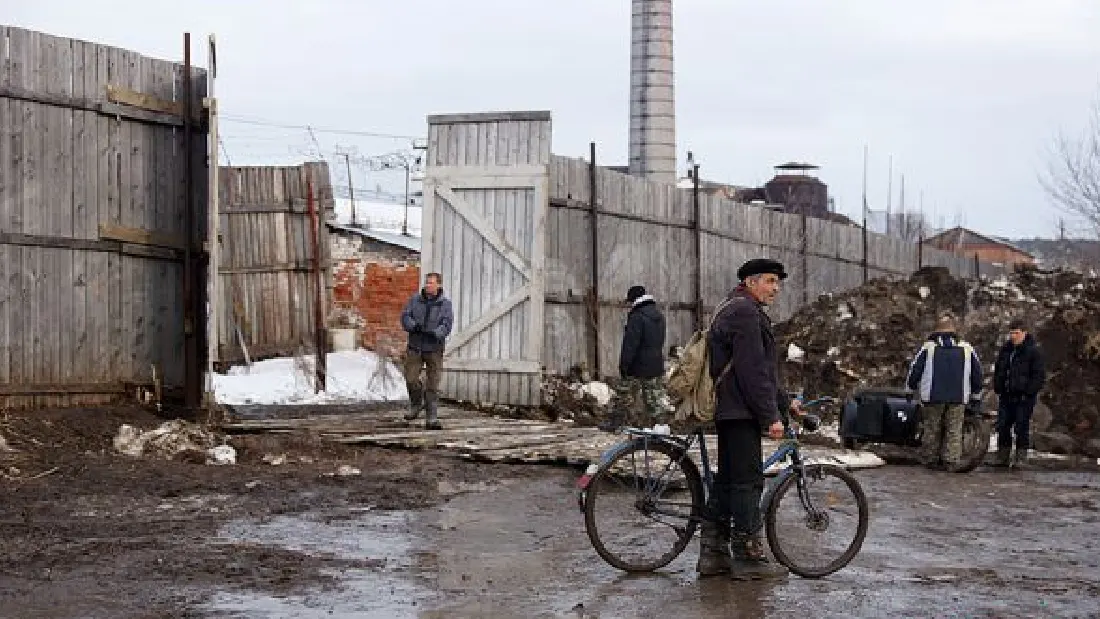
column 80, row 523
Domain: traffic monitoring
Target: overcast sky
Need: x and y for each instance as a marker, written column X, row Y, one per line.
column 964, row 94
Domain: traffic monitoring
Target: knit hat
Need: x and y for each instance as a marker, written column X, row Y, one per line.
column 635, row 293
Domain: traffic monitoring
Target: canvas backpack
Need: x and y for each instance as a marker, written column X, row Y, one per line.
column 689, row 384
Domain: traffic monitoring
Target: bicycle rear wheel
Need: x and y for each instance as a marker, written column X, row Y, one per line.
column 806, row 510
column 642, row 508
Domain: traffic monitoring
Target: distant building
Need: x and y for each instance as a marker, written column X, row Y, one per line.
column 988, row 249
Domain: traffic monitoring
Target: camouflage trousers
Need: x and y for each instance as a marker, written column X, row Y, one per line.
column 633, row 395
column 941, row 434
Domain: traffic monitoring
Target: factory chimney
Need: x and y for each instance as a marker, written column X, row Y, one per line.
column 652, row 105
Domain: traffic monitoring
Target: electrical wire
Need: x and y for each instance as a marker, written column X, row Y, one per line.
column 267, row 123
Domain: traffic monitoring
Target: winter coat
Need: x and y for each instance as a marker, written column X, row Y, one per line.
column 1019, row 370
column 428, row 321
column 643, row 351
column 741, row 335
column 946, row 370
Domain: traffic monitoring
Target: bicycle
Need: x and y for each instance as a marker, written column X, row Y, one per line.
column 816, row 513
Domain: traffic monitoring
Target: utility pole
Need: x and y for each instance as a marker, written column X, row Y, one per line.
column 351, row 189
column 889, row 193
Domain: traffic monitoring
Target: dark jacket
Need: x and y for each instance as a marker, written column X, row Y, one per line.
column 1019, row 371
column 741, row 334
column 643, row 351
column 428, row 321
column 954, row 374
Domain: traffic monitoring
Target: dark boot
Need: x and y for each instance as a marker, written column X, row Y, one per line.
column 714, row 549
column 1020, row 459
column 750, row 562
column 1003, row 457
column 431, row 407
column 416, row 403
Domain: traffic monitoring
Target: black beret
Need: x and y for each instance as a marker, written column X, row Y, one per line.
column 759, row 266
column 635, row 292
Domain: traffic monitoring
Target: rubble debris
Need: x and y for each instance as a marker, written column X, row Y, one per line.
column 867, row 336
column 175, row 440
column 4, row 447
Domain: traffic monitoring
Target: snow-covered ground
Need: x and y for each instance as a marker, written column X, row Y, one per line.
column 380, row 215
column 353, row 376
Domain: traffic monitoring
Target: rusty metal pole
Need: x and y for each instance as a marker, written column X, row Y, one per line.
column 318, row 308
column 594, row 294
column 192, row 386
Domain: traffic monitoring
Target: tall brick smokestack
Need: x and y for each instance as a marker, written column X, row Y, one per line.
column 652, row 105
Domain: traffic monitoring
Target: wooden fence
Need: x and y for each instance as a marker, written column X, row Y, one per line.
column 685, row 249
column 102, row 208
column 267, row 268
column 537, row 269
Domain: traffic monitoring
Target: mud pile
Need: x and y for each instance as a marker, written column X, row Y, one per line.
column 866, row 337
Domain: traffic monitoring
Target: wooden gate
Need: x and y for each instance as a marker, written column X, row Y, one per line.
column 485, row 207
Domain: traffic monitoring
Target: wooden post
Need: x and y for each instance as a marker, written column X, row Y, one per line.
column 977, row 267
column 318, row 299
column 920, row 251
column 805, row 249
column 213, row 247
column 864, row 261
column 594, row 290
column 697, row 223
column 192, row 386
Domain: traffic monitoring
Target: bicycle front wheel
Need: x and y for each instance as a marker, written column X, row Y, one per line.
column 816, row 521
column 642, row 508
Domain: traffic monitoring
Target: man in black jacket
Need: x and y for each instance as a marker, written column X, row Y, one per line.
column 743, row 363
column 1018, row 376
column 641, row 358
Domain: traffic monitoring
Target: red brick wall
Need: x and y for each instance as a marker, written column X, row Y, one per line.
column 370, row 288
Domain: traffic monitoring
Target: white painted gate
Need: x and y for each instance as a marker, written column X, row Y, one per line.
column 485, row 208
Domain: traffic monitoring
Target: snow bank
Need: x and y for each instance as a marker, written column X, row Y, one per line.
column 353, row 376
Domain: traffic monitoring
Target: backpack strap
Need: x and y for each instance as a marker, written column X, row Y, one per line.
column 729, row 364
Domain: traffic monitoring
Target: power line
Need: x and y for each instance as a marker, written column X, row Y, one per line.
column 268, row 123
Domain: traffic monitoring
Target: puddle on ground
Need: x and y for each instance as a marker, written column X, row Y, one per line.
column 389, row 591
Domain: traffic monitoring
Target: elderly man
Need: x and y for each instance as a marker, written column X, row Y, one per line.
column 743, row 363
column 945, row 373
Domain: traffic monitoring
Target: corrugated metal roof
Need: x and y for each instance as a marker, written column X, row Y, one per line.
column 390, row 238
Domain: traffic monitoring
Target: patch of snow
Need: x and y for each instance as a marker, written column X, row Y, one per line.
column 924, row 291
column 833, row 351
column 274, row 460
column 794, row 353
column 353, row 376
column 222, row 454
column 599, row 391
column 170, row 439
column 844, row 312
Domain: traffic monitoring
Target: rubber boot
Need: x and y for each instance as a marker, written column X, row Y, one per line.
column 431, row 407
column 714, row 549
column 1003, row 457
column 416, row 403
column 1020, row 460
column 750, row 562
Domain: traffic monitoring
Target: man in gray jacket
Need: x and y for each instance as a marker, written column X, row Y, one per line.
column 748, row 403
column 427, row 319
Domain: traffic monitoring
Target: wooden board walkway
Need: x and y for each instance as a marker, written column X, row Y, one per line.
column 484, row 438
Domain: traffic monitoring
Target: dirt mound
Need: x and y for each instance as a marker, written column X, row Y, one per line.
column 866, row 337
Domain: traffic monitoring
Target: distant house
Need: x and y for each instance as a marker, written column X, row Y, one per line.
column 988, row 249
column 374, row 274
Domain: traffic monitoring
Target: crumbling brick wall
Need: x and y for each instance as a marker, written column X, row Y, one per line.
column 372, row 281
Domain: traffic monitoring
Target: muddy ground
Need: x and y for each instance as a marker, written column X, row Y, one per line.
column 87, row 533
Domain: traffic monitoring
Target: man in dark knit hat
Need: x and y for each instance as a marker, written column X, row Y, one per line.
column 641, row 359
column 743, row 363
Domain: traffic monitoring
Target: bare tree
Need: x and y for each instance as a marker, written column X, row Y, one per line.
column 1072, row 177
